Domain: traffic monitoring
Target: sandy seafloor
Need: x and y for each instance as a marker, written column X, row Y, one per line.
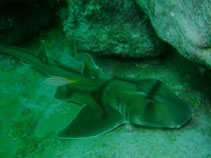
column 30, row 117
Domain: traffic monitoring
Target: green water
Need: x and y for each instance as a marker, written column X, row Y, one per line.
column 30, row 117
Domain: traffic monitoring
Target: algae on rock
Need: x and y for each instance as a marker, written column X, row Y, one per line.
column 111, row 28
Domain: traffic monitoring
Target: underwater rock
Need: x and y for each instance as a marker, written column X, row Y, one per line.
column 111, row 28
column 186, row 25
column 22, row 20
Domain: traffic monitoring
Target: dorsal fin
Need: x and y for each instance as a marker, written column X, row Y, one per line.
column 42, row 54
column 90, row 69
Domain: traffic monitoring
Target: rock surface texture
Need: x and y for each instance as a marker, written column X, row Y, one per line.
column 111, row 28
column 185, row 24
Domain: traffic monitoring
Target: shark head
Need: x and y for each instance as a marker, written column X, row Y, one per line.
column 147, row 103
column 153, row 104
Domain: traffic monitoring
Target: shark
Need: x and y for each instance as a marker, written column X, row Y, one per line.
column 107, row 102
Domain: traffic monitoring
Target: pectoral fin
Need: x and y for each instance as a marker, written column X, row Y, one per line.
column 91, row 122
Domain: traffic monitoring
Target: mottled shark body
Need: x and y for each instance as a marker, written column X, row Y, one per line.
column 107, row 101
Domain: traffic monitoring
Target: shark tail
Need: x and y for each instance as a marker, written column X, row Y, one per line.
column 91, row 122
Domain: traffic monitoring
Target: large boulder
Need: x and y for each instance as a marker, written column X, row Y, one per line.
column 111, row 27
column 185, row 24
